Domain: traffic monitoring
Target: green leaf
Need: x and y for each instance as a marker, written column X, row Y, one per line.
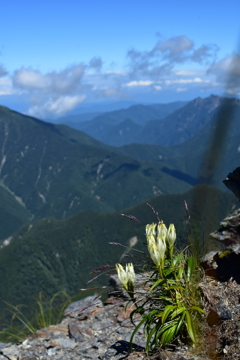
column 135, row 330
column 164, row 298
column 190, row 327
column 168, row 309
column 180, row 322
column 137, row 310
column 175, row 287
column 152, row 313
column 168, row 271
column 180, row 272
column 164, row 328
column 151, row 333
column 177, row 259
column 156, row 284
column 177, row 312
column 168, row 335
column 191, row 266
column 197, row 309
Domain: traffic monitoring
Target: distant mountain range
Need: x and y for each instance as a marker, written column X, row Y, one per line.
column 163, row 124
column 121, row 127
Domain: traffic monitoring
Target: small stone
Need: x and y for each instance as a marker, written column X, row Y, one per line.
column 11, row 353
column 63, row 343
column 223, row 311
column 52, row 351
column 80, row 332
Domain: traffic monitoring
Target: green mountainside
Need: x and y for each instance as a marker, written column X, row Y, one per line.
column 56, row 171
column 52, row 255
column 12, row 213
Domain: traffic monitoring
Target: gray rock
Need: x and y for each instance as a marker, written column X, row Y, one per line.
column 83, row 307
column 223, row 310
column 11, row 352
column 228, row 234
column 80, row 332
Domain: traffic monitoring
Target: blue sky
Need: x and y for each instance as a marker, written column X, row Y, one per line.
column 56, row 56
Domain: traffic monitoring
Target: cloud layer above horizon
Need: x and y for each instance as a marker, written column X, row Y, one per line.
column 174, row 65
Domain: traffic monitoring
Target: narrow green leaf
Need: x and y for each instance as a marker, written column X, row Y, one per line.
column 164, row 298
column 168, row 335
column 153, row 312
column 165, row 327
column 191, row 266
column 190, row 326
column 168, row 309
column 180, row 322
column 177, row 312
column 135, row 330
column 168, row 271
column 197, row 309
column 159, row 281
column 180, row 272
column 177, row 259
column 151, row 333
column 175, row 287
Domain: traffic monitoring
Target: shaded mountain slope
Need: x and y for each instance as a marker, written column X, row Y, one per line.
column 12, row 213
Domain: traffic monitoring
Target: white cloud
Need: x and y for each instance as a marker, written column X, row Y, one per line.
column 64, row 81
column 174, row 46
column 165, row 55
column 59, row 106
column 185, row 81
column 185, row 72
column 139, row 83
column 181, row 89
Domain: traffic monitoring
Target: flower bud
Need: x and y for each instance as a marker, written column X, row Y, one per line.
column 155, row 255
column 161, row 231
column 171, row 235
column 126, row 277
column 122, row 275
column 151, row 229
column 130, row 273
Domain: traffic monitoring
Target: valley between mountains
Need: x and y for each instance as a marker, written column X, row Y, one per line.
column 62, row 191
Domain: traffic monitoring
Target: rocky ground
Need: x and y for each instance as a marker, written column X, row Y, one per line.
column 94, row 330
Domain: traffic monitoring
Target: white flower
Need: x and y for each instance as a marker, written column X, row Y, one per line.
column 162, row 231
column 130, row 273
column 126, row 277
column 171, row 235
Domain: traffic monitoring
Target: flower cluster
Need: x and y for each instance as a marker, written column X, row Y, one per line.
column 160, row 241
